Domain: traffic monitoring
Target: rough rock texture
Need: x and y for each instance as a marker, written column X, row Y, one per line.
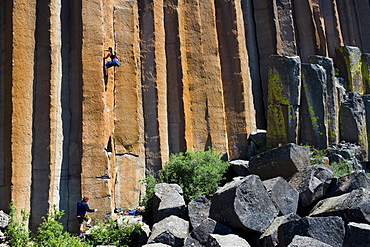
column 229, row 240
column 283, row 194
column 313, row 110
column 171, row 230
column 353, row 123
column 312, row 183
column 194, row 74
column 352, row 207
column 238, row 202
column 198, row 210
column 283, row 161
column 302, row 241
column 357, row 234
column 284, row 98
column 345, row 184
column 168, row 200
column 4, row 219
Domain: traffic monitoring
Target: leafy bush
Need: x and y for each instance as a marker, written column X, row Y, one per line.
column 17, row 231
column 341, row 168
column 112, row 233
column 50, row 233
column 197, row 172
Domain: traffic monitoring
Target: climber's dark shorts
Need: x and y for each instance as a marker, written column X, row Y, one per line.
column 114, row 62
column 82, row 218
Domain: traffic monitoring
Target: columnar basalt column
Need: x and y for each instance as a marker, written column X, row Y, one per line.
column 313, row 109
column 275, row 35
column 203, row 96
column 240, row 114
column 333, row 31
column 284, row 100
column 154, row 84
column 21, row 82
column 128, row 127
column 97, row 176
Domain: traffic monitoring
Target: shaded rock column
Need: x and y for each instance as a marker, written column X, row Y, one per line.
column 284, row 100
column 366, row 100
column 353, row 123
column 97, row 177
column 276, row 34
column 200, row 62
column 20, row 105
column 238, row 98
column 154, row 87
column 348, row 60
column 129, row 123
column 331, row 96
column 313, row 111
column 365, row 69
column 333, row 30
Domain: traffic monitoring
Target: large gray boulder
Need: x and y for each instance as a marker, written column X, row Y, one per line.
column 290, row 228
column 302, row 241
column 357, row 234
column 313, row 112
column 168, row 200
column 345, row 184
column 269, row 238
column 353, row 123
column 312, row 183
column 171, row 230
column 282, row 161
column 198, row 210
column 346, row 152
column 351, row 207
column 329, row 230
column 243, row 204
column 229, row 240
column 198, row 237
column 282, row 194
column 4, row 219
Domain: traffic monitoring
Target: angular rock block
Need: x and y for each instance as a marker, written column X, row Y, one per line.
column 199, row 235
column 240, row 167
column 302, row 241
column 351, row 207
column 284, row 93
column 168, row 200
column 348, row 61
column 313, row 112
column 357, row 234
column 4, row 219
column 171, row 230
column 291, row 228
column 366, row 100
column 312, row 183
column 329, row 230
column 284, row 195
column 269, row 238
column 243, row 204
column 331, row 96
column 198, row 210
column 347, row 152
column 230, row 240
column 353, row 123
column 345, row 184
column 283, row 161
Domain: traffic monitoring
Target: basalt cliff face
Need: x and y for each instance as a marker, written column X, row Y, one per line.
column 193, row 74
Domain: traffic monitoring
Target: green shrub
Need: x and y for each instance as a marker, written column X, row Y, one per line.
column 197, row 172
column 50, row 232
column 17, row 231
column 341, row 168
column 112, row 233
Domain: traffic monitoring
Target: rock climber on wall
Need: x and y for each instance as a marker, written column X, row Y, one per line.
column 114, row 60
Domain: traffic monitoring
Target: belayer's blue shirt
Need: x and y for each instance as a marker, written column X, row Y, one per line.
column 82, row 208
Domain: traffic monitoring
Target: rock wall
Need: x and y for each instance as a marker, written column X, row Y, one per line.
column 193, row 74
